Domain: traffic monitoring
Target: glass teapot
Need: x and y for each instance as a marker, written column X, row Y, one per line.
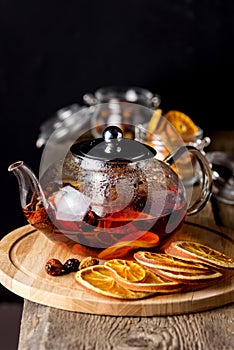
column 110, row 196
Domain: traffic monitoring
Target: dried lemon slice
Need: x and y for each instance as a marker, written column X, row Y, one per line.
column 194, row 251
column 150, row 283
column 98, row 279
column 167, row 262
column 182, row 123
column 126, row 269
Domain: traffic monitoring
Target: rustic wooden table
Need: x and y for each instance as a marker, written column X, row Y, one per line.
column 44, row 327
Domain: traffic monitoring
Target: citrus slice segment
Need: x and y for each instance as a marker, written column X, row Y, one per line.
column 126, row 269
column 194, row 251
column 151, row 282
column 98, row 279
column 182, row 123
column 167, row 262
column 154, row 120
column 189, row 277
column 127, row 245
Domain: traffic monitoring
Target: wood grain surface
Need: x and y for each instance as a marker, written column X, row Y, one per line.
column 50, row 328
column 24, row 252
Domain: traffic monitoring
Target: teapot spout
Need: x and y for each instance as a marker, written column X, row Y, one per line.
column 31, row 195
column 29, row 187
column 32, row 198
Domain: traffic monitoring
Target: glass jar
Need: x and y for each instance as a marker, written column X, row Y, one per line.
column 117, row 108
column 131, row 94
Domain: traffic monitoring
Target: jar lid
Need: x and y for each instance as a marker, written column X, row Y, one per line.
column 112, row 147
column 223, row 176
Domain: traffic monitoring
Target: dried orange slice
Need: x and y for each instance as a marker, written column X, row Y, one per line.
column 189, row 277
column 154, row 120
column 167, row 262
column 150, row 283
column 126, row 269
column 128, row 244
column 98, row 279
column 182, row 123
column 194, row 251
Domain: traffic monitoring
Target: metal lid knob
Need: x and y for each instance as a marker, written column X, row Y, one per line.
column 112, row 133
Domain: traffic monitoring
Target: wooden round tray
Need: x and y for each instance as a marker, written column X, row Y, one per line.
column 24, row 252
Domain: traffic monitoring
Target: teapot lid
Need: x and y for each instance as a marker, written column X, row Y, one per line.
column 112, row 147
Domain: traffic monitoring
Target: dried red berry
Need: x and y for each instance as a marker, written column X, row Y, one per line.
column 71, row 265
column 54, row 267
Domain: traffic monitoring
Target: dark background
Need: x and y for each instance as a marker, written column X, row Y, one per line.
column 52, row 52
column 55, row 51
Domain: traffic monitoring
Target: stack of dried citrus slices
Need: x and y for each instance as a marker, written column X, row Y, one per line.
column 188, row 273
column 183, row 266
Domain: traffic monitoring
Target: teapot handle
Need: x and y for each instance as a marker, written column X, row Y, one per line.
column 207, row 180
